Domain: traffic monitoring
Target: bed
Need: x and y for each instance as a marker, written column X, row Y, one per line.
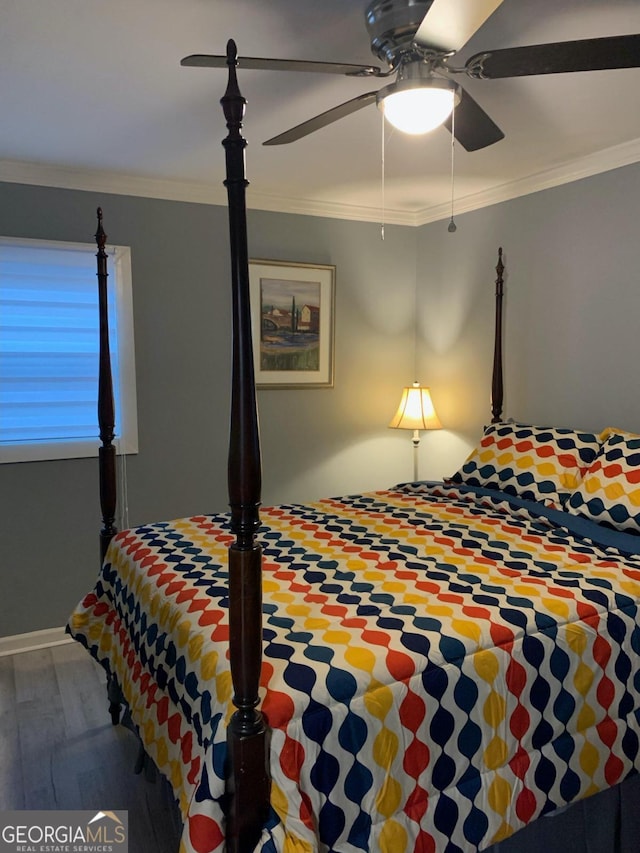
column 429, row 667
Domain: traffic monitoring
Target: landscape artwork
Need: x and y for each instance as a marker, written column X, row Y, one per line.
column 292, row 323
column 289, row 325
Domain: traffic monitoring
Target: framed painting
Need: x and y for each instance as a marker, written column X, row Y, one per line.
column 292, row 315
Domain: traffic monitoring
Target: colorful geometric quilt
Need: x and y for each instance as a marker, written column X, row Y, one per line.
column 440, row 667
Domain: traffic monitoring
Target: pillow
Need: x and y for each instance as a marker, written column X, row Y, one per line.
column 604, row 435
column 610, row 490
column 542, row 464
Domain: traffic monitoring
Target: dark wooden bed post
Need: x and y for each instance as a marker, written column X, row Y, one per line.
column 106, row 451
column 106, row 407
column 248, row 778
column 496, row 382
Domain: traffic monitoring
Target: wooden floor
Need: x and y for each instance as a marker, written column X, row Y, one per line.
column 58, row 749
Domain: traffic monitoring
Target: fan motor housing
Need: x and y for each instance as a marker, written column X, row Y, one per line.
column 392, row 24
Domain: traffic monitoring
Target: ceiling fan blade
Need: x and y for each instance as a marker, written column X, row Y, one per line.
column 322, row 120
column 449, row 24
column 558, row 57
column 202, row 60
column 473, row 127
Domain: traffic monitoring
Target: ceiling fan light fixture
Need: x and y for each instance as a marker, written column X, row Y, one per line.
column 419, row 105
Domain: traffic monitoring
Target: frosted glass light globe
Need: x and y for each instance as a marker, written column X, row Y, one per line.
column 418, row 110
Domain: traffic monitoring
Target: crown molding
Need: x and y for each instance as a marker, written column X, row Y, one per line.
column 330, row 210
column 64, row 177
column 70, row 178
column 565, row 173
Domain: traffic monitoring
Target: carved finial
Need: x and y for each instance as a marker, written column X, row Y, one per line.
column 232, row 101
column 101, row 237
column 499, row 270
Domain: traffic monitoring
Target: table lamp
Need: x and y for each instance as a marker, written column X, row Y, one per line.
column 415, row 412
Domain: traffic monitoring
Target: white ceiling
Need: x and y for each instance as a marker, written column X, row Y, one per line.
column 93, row 97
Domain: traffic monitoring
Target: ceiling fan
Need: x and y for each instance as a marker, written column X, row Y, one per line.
column 418, row 40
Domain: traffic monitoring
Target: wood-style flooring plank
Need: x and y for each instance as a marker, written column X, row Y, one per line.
column 82, row 687
column 11, row 787
column 58, row 749
column 40, row 725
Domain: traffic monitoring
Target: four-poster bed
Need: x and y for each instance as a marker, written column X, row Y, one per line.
column 442, row 663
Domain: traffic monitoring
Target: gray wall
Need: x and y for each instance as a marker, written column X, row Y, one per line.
column 321, row 441
column 571, row 311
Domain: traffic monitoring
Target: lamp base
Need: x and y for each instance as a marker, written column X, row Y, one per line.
column 416, row 443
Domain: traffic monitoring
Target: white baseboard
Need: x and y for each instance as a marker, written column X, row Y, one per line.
column 33, row 640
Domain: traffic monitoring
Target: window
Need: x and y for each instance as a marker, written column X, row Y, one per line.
column 49, row 336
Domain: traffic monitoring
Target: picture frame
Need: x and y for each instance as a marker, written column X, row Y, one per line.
column 292, row 320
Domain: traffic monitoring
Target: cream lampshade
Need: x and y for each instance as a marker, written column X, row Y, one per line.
column 415, row 412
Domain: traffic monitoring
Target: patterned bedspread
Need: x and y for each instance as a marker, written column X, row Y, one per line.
column 440, row 667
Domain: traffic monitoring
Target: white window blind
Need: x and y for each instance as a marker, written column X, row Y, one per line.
column 49, row 339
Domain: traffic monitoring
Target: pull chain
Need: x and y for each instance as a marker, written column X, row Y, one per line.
column 452, row 225
column 382, row 217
